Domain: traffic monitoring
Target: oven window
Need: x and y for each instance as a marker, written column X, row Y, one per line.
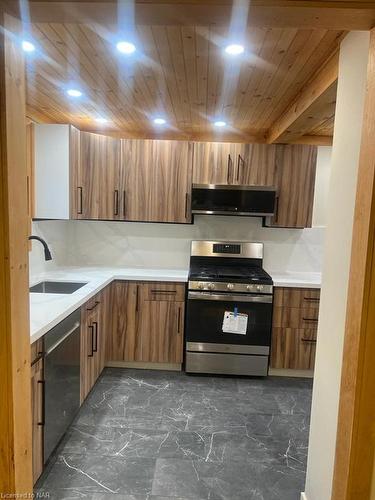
column 204, row 322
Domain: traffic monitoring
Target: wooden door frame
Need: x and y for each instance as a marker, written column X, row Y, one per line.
column 15, row 392
column 355, row 443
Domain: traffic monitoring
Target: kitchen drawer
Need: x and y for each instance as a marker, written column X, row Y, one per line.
column 174, row 292
column 296, row 297
column 293, row 348
column 294, row 317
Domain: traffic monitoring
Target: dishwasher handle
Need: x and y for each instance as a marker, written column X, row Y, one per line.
column 61, row 340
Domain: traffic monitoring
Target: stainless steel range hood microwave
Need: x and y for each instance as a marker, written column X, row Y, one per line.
column 222, row 199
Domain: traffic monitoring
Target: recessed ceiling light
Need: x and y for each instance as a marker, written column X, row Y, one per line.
column 160, row 121
column 220, row 123
column 234, row 49
column 101, row 120
column 28, row 46
column 74, row 93
column 126, row 47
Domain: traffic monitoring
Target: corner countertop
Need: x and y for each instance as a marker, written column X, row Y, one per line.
column 47, row 310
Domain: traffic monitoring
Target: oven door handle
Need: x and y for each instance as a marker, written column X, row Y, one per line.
column 224, row 297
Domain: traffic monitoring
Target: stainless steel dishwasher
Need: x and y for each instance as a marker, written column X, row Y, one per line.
column 61, row 379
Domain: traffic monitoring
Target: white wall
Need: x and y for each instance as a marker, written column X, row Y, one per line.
column 345, row 155
column 323, row 173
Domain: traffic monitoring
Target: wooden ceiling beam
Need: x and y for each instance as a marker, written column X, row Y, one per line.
column 305, row 112
column 336, row 15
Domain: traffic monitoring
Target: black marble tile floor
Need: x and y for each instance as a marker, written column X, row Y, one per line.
column 150, row 435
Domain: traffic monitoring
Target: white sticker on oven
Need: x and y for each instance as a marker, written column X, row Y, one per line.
column 234, row 322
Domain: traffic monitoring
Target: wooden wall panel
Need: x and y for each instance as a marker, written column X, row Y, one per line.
column 15, row 395
column 355, row 446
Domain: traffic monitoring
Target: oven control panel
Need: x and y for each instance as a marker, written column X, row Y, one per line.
column 230, row 287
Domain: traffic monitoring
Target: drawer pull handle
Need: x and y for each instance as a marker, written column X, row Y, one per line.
column 310, row 319
column 171, row 292
column 309, row 341
column 93, row 307
column 311, row 299
column 80, row 201
column 115, row 212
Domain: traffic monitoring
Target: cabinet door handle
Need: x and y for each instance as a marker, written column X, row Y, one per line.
column 311, row 299
column 309, row 341
column 186, row 205
column 179, row 320
column 93, row 307
column 136, row 299
column 314, row 320
column 80, row 200
column 230, row 164
column 170, row 292
column 276, row 215
column 124, row 203
column 115, row 202
column 95, row 325
column 91, row 328
column 43, row 384
column 241, row 161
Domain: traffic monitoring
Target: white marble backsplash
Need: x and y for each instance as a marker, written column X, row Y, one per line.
column 129, row 244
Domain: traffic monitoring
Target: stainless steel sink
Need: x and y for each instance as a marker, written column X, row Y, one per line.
column 64, row 287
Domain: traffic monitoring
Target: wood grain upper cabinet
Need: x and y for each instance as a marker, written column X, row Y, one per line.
column 254, row 164
column 214, row 162
column 294, row 181
column 157, row 180
column 226, row 163
column 97, row 185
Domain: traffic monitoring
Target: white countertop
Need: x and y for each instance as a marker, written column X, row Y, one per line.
column 47, row 310
column 296, row 279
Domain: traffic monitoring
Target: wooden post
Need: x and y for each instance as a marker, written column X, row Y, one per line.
column 15, row 397
column 356, row 425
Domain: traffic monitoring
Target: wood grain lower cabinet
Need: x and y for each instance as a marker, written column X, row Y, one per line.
column 92, row 344
column 147, row 322
column 161, row 317
column 37, row 394
column 294, row 328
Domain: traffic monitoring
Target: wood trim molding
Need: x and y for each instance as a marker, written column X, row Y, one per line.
column 356, row 422
column 303, row 14
column 15, row 393
column 318, row 92
column 314, row 140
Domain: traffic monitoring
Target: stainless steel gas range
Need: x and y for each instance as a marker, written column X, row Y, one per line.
column 229, row 309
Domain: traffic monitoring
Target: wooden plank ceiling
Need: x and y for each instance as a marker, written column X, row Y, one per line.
column 179, row 72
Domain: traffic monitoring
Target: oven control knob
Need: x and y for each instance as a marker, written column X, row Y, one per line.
column 259, row 288
column 211, row 286
column 249, row 288
column 230, row 286
column 201, row 286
